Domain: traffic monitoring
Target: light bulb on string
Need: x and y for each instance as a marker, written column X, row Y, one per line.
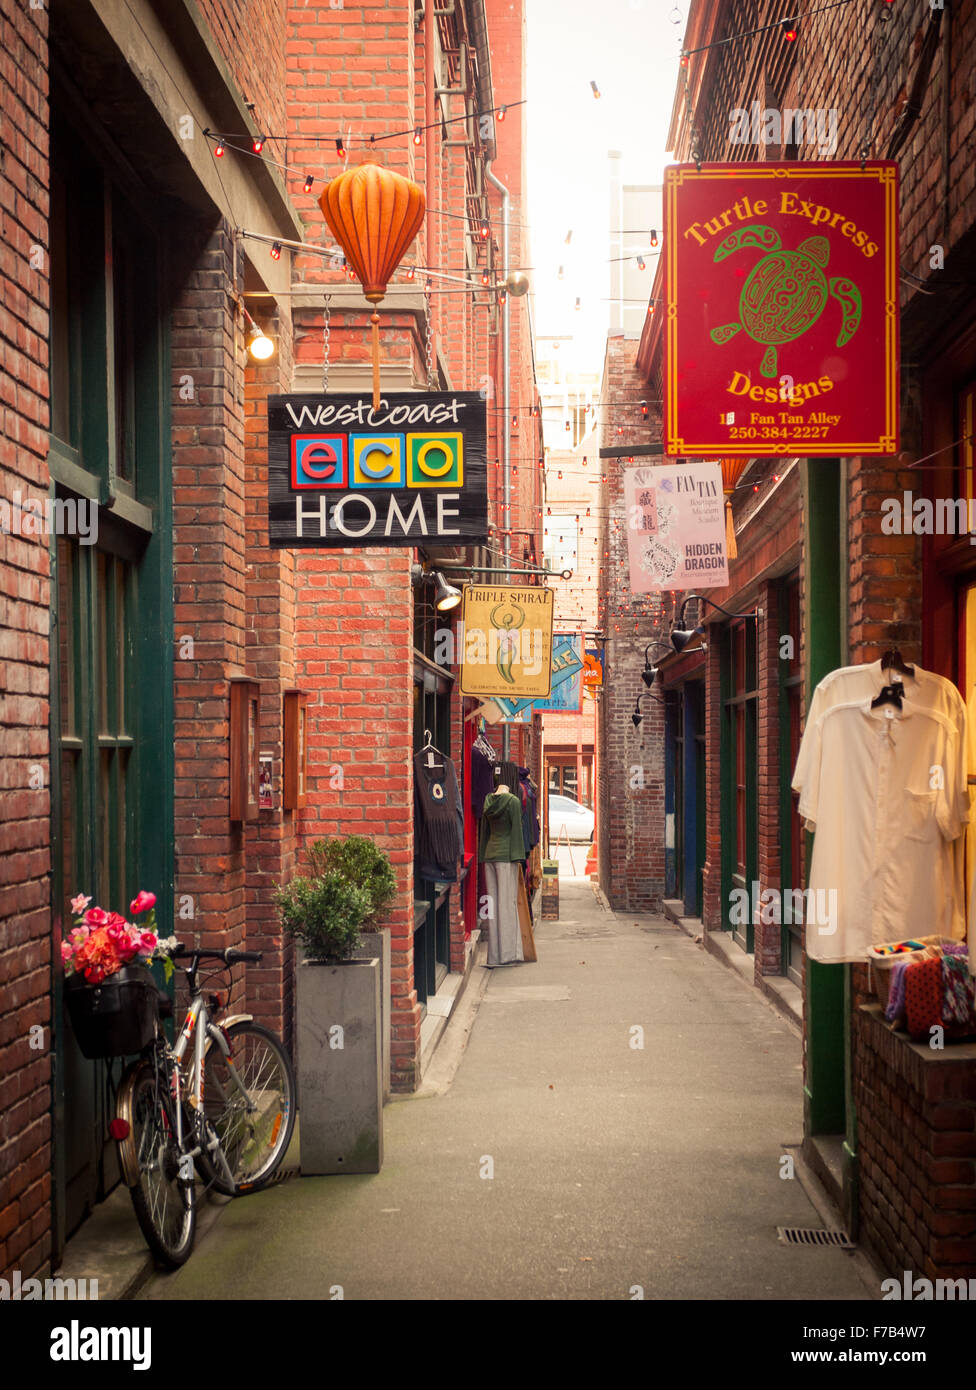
column 653, row 238
column 341, row 150
column 641, row 264
column 307, row 187
column 502, row 112
column 418, row 136
column 485, row 277
column 276, row 251
column 596, row 90
column 559, row 273
column 577, row 304
column 410, row 272
column 789, row 30
column 219, row 149
column 257, row 144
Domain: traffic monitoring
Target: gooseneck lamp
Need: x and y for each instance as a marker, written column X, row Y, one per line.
column 681, row 636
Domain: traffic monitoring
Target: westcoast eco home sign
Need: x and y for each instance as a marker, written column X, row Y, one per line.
column 343, row 474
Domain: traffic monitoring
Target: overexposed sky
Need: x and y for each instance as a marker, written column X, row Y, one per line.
column 630, row 48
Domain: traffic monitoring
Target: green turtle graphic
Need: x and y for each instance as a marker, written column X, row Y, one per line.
column 786, row 292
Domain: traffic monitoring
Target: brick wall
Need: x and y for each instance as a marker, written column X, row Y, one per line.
column 209, row 591
column 25, row 920
column 917, row 1174
column 631, row 759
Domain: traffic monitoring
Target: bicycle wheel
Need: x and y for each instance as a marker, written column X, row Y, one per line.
column 254, row 1140
column 164, row 1204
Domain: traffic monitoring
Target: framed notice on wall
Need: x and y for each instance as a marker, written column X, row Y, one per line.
column 245, row 767
column 782, row 308
column 413, row 472
column 294, row 782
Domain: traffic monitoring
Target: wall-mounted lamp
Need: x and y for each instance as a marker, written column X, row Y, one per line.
column 681, row 636
column 446, row 597
column 259, row 345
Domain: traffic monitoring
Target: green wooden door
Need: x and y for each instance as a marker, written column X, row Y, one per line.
column 112, row 597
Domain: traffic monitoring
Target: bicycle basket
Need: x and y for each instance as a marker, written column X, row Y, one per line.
column 115, row 1017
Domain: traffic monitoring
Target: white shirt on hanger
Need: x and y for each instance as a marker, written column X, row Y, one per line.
column 886, row 791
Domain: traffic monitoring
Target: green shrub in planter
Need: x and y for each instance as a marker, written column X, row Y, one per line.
column 326, row 914
column 358, row 861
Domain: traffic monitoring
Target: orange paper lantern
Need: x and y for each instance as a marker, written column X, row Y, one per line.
column 374, row 215
column 732, row 470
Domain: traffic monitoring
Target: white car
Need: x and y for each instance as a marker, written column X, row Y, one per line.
column 568, row 818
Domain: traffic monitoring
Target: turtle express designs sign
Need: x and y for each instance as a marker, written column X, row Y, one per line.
column 782, row 308
column 506, row 643
column 341, row 473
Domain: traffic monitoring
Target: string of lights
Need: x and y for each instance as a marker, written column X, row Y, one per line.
column 789, row 24
column 367, row 142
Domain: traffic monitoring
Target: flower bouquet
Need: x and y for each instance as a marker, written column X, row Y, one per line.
column 112, row 998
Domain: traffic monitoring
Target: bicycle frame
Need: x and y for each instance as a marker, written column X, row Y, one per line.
column 204, row 1033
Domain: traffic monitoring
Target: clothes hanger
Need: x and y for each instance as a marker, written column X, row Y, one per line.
column 889, row 694
column 430, row 750
column 893, row 661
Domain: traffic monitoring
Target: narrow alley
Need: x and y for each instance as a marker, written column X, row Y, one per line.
column 563, row 1160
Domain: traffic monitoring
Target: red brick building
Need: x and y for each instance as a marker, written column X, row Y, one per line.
column 125, row 235
column 889, row 1125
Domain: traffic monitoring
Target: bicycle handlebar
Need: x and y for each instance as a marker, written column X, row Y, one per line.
column 230, row 956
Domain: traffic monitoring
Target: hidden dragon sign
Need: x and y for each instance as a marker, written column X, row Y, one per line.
column 782, row 308
column 343, row 474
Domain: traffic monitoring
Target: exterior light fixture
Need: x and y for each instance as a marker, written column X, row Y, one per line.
column 446, row 597
column 517, row 283
column 260, row 345
column 681, row 636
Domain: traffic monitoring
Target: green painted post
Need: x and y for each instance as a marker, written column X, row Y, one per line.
column 826, row 1020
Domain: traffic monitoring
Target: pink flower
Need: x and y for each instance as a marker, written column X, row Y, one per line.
column 79, row 903
column 142, row 902
column 95, row 917
column 80, row 934
column 149, row 942
column 67, row 951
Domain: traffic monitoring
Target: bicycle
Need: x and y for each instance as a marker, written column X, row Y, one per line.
column 230, row 1116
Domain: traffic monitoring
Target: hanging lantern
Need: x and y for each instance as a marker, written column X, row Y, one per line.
column 732, row 470
column 374, row 214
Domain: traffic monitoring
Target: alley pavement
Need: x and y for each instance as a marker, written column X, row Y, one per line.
column 609, row 1123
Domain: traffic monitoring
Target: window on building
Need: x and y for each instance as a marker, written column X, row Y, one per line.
column 560, row 541
column 740, row 853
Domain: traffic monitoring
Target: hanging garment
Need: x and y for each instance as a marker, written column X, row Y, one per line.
column 482, row 779
column 500, row 838
column 504, row 931
column 886, row 792
column 438, row 818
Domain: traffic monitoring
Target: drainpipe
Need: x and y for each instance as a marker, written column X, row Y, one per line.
column 506, row 409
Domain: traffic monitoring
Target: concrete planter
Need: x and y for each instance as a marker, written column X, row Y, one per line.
column 377, row 943
column 340, row 1059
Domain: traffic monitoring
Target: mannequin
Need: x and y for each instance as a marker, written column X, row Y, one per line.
column 501, row 849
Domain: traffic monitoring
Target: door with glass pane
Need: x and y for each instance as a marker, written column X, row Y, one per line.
column 93, row 620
